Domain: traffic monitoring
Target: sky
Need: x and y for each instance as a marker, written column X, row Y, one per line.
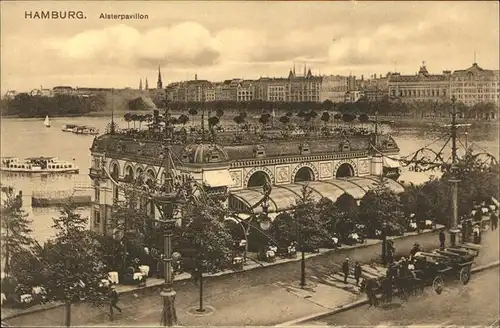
column 224, row 40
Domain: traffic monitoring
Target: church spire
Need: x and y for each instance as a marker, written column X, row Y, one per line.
column 146, row 87
column 140, row 84
column 159, row 84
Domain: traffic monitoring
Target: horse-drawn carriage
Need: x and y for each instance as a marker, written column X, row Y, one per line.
column 426, row 269
column 452, row 263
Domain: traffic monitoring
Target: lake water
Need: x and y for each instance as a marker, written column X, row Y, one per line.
column 28, row 137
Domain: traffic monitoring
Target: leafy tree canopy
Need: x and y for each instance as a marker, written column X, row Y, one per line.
column 16, row 227
column 205, row 238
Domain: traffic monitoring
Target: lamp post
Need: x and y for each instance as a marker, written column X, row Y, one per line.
column 165, row 205
column 300, row 240
column 264, row 224
column 454, row 180
column 165, row 202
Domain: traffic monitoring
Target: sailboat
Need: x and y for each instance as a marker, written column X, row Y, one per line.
column 46, row 122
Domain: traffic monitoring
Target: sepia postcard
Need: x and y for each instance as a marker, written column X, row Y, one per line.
column 250, row 163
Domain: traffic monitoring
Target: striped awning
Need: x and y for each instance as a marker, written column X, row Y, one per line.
column 285, row 197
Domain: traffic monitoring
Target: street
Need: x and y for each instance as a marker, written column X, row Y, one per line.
column 246, row 298
column 474, row 304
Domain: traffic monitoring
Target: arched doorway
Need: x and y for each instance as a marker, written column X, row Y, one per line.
column 345, row 170
column 304, row 174
column 257, row 179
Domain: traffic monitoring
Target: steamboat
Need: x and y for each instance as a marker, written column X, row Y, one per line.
column 88, row 130
column 69, row 127
column 37, row 165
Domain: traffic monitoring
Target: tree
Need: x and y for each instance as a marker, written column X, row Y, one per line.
column 347, row 118
column 302, row 113
column 219, row 112
column 325, row 117
column 327, row 105
column 205, row 240
column 284, row 119
column 381, row 207
column 72, row 263
column 183, row 119
column 128, row 118
column 15, row 225
column 478, row 182
column 309, row 224
column 363, row 118
column 213, row 121
column 417, row 201
column 129, row 221
column 174, row 120
column 347, row 203
column 137, row 104
column 193, row 111
column 140, row 118
column 264, row 119
column 330, row 213
column 134, row 118
column 239, row 120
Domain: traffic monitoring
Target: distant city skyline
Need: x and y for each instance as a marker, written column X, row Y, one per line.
column 225, row 40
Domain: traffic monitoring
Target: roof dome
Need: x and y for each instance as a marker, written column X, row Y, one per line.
column 204, row 153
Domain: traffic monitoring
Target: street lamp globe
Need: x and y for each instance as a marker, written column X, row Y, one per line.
column 265, row 223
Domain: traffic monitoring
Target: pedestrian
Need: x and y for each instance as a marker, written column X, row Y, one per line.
column 114, row 300
column 464, row 231
column 442, row 239
column 388, row 284
column 494, row 221
column 477, row 234
column 345, row 269
column 357, row 272
column 370, row 292
column 390, row 251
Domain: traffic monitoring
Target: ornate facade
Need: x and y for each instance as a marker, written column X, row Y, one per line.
column 420, row 87
column 236, row 171
column 476, row 85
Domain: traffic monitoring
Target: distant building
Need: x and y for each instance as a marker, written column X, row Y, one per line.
column 159, row 83
column 420, row 87
column 188, row 91
column 227, row 90
column 475, row 85
column 334, row 88
column 210, row 93
column 277, row 90
column 353, row 96
column 245, row 91
column 375, row 89
column 304, row 87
